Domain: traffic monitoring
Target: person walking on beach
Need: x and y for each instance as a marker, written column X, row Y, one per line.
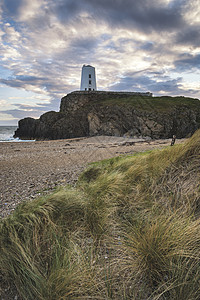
column 173, row 140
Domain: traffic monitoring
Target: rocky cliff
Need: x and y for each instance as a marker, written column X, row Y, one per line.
column 115, row 113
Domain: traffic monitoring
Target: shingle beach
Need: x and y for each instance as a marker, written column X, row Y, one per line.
column 29, row 169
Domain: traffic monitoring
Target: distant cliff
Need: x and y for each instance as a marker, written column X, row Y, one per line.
column 115, row 113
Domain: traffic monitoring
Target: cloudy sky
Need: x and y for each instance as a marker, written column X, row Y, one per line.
column 135, row 45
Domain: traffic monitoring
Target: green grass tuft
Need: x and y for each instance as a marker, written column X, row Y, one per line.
column 129, row 230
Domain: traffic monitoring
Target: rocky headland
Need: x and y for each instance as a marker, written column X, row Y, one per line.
column 115, row 114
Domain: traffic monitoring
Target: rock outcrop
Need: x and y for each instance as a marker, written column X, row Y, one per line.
column 115, row 113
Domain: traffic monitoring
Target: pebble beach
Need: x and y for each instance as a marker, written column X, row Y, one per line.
column 31, row 169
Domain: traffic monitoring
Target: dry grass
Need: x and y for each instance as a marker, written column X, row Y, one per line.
column 129, row 230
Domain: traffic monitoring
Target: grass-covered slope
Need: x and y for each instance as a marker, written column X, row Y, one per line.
column 146, row 103
column 129, row 230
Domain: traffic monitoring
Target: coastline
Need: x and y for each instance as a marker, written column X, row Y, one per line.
column 29, row 169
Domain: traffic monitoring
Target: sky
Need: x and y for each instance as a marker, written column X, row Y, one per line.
column 134, row 45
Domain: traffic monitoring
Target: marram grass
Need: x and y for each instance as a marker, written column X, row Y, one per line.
column 129, row 230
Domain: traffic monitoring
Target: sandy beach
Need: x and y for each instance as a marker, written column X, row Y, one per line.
column 29, row 169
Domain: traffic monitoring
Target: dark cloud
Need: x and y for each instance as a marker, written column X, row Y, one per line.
column 32, row 79
column 50, row 84
column 143, row 83
column 66, row 9
column 147, row 46
column 143, row 14
column 11, row 83
column 40, row 107
column 187, row 62
column 88, row 43
column 188, row 36
column 12, row 7
column 21, row 81
column 52, row 79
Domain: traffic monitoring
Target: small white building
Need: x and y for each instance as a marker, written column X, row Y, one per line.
column 88, row 78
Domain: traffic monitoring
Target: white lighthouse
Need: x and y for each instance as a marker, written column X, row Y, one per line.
column 88, row 78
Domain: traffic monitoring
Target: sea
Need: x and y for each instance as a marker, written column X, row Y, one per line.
column 7, row 132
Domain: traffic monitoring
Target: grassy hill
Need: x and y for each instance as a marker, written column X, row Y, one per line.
column 129, row 230
column 160, row 104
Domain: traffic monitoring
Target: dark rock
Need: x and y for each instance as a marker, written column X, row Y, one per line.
column 26, row 128
column 115, row 113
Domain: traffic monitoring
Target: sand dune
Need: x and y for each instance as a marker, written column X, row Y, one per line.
column 29, row 169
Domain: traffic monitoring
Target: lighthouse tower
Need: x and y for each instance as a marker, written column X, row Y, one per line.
column 88, row 78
